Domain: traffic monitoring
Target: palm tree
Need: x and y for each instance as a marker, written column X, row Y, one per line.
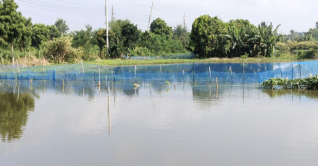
column 181, row 32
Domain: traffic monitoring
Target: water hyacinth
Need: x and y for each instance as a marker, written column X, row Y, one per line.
column 310, row 83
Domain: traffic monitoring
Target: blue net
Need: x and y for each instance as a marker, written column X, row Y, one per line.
column 237, row 73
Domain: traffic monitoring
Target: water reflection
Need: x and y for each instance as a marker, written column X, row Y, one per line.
column 291, row 92
column 14, row 110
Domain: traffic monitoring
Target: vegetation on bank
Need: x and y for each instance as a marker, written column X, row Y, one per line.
column 310, row 83
column 121, row 62
column 210, row 37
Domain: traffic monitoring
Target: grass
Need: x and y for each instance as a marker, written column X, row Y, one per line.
column 34, row 61
column 121, row 62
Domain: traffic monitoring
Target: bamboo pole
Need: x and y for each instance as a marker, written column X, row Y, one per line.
column 98, row 74
column 63, row 84
column 217, row 84
column 210, row 74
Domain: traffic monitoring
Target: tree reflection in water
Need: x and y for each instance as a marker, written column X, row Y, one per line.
column 294, row 92
column 14, row 110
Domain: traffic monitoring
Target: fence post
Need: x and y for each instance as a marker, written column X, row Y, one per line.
column 292, row 71
column 210, row 74
column 243, row 75
column 98, row 74
column 300, row 70
column 193, row 73
column 83, row 67
column 53, row 75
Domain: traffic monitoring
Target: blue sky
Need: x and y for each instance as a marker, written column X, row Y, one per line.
column 300, row 15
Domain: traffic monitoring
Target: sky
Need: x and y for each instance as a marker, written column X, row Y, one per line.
column 299, row 15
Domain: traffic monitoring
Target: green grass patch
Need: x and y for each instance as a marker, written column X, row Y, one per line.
column 121, row 62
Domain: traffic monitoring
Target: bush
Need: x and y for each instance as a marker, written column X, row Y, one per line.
column 307, row 54
column 140, row 51
column 282, row 46
column 310, row 83
column 60, row 50
column 306, row 45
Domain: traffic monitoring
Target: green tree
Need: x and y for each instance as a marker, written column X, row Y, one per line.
column 61, row 25
column 40, row 33
column 116, row 26
column 26, row 39
column 317, row 25
column 160, row 27
column 85, row 39
column 268, row 38
column 101, row 40
column 60, row 50
column 180, row 32
column 206, row 38
column 11, row 24
column 130, row 35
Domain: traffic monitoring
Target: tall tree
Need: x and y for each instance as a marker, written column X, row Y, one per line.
column 61, row 25
column 42, row 33
column 206, row 38
column 11, row 24
column 317, row 25
column 181, row 32
column 25, row 41
column 160, row 27
column 130, row 36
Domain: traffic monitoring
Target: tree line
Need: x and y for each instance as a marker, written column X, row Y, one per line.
column 58, row 45
column 209, row 37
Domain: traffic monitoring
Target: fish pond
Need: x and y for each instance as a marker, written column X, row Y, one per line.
column 158, row 123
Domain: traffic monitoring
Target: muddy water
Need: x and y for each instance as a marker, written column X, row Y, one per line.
column 156, row 124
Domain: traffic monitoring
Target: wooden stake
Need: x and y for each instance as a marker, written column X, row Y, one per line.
column 63, row 84
column 210, row 74
column 217, row 84
column 83, row 67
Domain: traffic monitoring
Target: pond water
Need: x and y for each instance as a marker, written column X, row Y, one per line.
column 42, row 123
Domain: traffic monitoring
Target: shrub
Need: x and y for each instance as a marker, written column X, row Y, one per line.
column 308, row 83
column 141, row 51
column 282, row 46
column 60, row 50
column 310, row 54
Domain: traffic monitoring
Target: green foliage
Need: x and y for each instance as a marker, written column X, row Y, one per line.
column 87, row 40
column 116, row 26
column 310, row 54
column 282, row 46
column 182, row 34
column 130, row 35
column 159, row 44
column 60, row 50
column 14, row 111
column 42, row 33
column 12, row 26
column 25, row 41
column 11, row 22
column 308, row 83
column 160, row 27
column 307, row 45
column 206, row 38
column 62, row 27
column 141, row 51
column 211, row 37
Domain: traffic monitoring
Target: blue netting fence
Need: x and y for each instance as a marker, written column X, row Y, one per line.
column 238, row 73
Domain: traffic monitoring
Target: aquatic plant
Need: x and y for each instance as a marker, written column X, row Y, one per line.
column 307, row 83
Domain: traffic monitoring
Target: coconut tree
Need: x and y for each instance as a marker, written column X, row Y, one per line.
column 181, row 32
